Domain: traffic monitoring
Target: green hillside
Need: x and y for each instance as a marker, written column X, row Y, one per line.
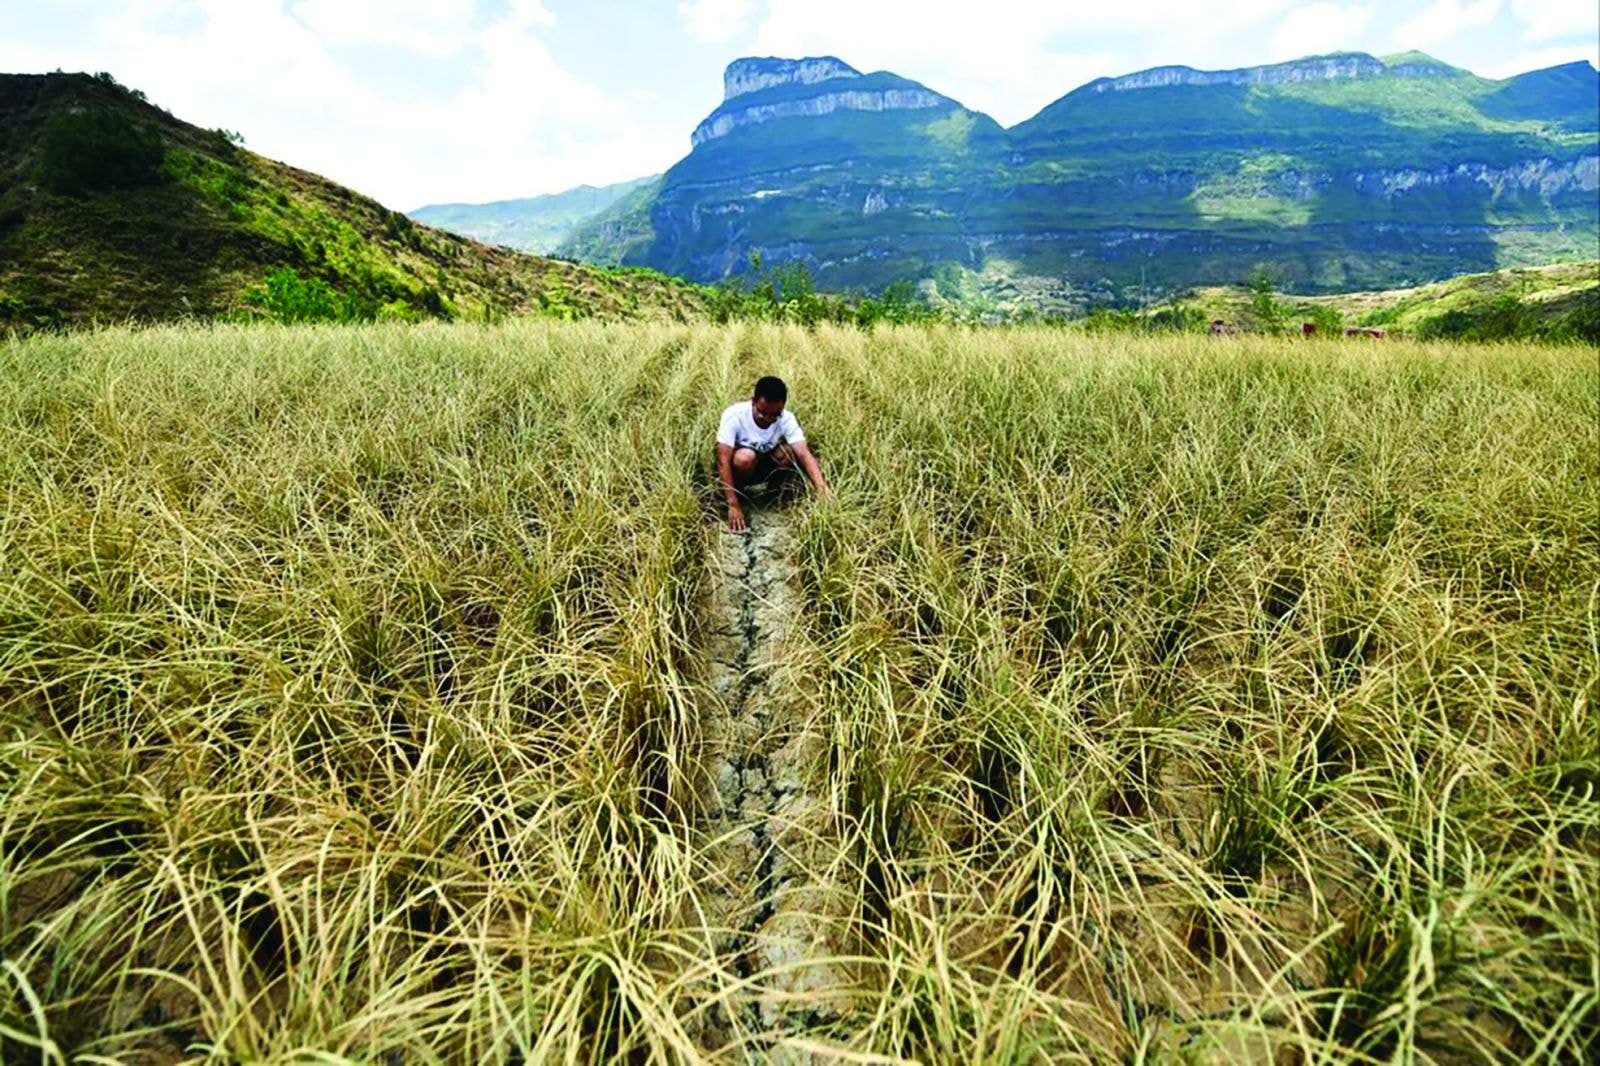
column 534, row 224
column 618, row 234
column 1560, row 297
column 1339, row 172
column 111, row 209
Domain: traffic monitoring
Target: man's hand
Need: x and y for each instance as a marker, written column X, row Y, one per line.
column 736, row 522
column 813, row 469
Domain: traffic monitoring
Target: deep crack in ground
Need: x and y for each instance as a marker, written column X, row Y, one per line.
column 766, row 914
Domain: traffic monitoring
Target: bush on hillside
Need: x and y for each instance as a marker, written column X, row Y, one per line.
column 1181, row 318
column 1454, row 324
column 788, row 293
column 222, row 183
column 1328, row 320
column 1270, row 313
column 1112, row 320
column 105, row 77
column 1583, row 323
column 1505, row 318
column 288, row 297
column 87, row 151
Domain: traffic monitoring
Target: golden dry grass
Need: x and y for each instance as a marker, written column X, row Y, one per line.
column 1180, row 699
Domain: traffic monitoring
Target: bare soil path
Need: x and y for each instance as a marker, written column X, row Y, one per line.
column 768, row 908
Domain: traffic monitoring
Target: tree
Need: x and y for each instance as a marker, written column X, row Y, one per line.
column 1269, row 312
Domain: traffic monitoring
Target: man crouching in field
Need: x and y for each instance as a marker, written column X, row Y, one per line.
column 758, row 440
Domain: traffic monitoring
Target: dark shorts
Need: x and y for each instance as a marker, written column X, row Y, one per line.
column 767, row 466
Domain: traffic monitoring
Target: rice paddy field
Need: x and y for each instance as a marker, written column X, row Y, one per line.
column 1174, row 700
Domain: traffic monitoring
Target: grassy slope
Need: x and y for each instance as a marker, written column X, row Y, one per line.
column 621, row 233
column 535, row 224
column 221, row 218
column 1551, row 291
column 1179, row 698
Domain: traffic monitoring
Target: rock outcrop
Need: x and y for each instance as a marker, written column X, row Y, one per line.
column 744, row 76
column 1174, row 175
column 1313, row 68
column 1279, row 74
column 758, row 91
column 824, row 104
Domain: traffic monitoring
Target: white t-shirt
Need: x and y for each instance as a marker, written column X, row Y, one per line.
column 738, row 429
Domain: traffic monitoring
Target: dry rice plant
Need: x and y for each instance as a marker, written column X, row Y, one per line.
column 1184, row 699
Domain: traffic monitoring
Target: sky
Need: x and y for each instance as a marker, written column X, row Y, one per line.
column 429, row 101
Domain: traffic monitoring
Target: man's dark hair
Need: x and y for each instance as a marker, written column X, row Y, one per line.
column 771, row 389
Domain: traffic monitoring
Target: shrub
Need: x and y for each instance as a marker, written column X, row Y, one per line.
column 223, row 184
column 1583, row 323
column 86, row 151
column 1504, row 318
column 1269, row 312
column 1328, row 320
column 1507, row 318
column 1181, row 319
column 1454, row 324
column 1112, row 320
column 105, row 77
column 288, row 297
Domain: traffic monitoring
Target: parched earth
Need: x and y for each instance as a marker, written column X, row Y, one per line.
column 767, row 917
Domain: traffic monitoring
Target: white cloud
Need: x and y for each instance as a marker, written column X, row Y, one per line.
column 524, row 125
column 715, row 21
column 433, row 27
column 1443, row 20
column 1521, row 63
column 1558, row 18
column 529, row 13
column 1320, row 28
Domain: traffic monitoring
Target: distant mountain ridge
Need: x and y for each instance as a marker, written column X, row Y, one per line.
column 535, row 224
column 1315, row 68
column 1335, row 172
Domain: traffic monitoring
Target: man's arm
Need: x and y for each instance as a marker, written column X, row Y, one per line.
column 736, row 523
column 813, row 470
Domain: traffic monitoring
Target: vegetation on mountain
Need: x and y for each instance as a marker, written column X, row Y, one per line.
column 534, row 224
column 614, row 235
column 111, row 210
column 1336, row 172
column 1560, row 302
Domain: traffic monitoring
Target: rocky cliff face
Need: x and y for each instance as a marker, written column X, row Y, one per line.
column 823, row 104
column 1181, row 175
column 758, row 91
column 1318, row 68
column 1546, row 178
column 745, row 76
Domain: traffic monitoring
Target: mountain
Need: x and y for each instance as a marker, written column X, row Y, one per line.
column 534, row 224
column 1333, row 172
column 112, row 209
column 802, row 160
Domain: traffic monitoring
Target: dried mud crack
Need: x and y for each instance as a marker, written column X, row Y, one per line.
column 767, row 913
